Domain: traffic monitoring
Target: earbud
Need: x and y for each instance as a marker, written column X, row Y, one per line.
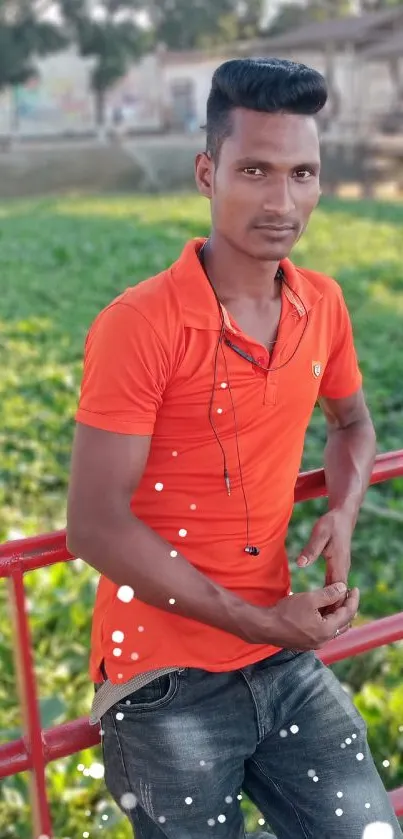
column 252, row 550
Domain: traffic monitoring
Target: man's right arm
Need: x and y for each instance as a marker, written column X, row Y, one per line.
column 102, row 530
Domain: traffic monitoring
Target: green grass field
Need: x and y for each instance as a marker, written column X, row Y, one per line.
column 61, row 260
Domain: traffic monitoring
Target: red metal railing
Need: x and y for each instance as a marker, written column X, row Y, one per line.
column 39, row 747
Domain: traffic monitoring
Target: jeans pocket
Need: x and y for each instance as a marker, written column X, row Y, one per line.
column 157, row 694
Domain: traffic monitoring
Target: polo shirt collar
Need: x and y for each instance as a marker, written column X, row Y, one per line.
column 197, row 298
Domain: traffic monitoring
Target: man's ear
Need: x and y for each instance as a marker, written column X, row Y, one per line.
column 204, row 167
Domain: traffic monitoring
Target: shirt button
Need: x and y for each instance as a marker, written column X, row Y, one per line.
column 258, row 370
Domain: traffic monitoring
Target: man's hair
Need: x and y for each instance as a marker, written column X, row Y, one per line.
column 272, row 85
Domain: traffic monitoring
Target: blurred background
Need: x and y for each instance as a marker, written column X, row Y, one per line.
column 112, row 94
column 101, row 108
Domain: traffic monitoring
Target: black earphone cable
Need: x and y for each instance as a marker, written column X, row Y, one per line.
column 250, row 549
column 237, row 448
column 226, row 474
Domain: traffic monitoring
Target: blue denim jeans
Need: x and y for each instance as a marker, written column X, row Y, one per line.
column 284, row 731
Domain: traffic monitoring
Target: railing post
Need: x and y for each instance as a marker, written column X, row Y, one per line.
column 41, row 823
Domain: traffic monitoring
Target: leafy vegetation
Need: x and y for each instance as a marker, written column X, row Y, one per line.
column 60, row 262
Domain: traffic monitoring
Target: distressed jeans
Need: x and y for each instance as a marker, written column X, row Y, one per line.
column 179, row 756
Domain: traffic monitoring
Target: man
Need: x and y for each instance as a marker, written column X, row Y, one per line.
column 197, row 391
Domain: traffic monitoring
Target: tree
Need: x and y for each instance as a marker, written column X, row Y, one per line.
column 293, row 15
column 378, row 5
column 23, row 37
column 112, row 37
column 192, row 24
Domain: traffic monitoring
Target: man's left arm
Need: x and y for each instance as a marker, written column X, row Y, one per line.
column 349, row 453
column 348, row 458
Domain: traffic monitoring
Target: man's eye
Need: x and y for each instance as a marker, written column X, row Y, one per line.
column 304, row 174
column 252, row 170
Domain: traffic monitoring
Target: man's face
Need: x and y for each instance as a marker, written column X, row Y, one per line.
column 265, row 183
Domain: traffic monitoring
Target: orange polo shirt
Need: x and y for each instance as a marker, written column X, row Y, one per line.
column 149, row 370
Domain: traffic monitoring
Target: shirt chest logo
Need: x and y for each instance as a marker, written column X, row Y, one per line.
column 316, row 369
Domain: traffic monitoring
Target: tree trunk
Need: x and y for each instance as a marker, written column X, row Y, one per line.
column 14, row 116
column 100, row 115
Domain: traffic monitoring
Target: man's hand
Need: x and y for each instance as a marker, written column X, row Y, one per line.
column 299, row 622
column 331, row 538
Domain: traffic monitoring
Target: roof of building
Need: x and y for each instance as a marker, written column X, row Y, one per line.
column 389, row 48
column 364, row 31
column 357, row 29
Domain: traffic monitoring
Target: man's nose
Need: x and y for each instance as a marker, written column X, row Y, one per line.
column 278, row 197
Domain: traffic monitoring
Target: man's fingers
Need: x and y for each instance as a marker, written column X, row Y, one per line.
column 329, row 595
column 313, row 549
column 346, row 613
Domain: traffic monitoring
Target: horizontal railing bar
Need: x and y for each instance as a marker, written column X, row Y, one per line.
column 313, row 485
column 73, row 737
column 66, row 739
column 363, row 638
column 396, row 800
column 40, row 551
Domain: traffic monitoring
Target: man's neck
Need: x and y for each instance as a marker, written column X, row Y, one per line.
column 234, row 275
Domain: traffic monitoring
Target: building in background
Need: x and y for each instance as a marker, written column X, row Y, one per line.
column 58, row 100
column 361, row 57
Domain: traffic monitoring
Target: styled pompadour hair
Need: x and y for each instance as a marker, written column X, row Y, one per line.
column 271, row 85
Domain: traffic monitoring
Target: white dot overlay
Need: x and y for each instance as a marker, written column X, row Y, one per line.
column 128, row 801
column 159, row 487
column 125, row 594
column 96, row 770
column 183, row 532
column 378, row 830
column 117, row 636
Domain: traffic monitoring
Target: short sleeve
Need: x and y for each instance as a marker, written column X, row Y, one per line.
column 125, row 372
column 342, row 376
